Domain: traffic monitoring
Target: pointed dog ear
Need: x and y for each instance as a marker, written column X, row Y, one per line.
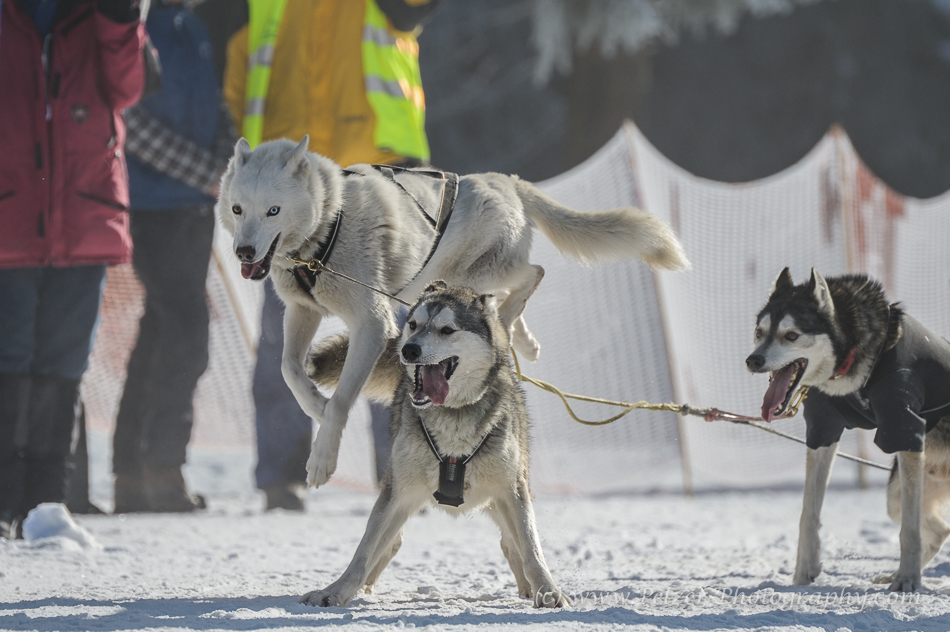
column 436, row 285
column 297, row 152
column 821, row 293
column 242, row 151
column 297, row 159
column 783, row 282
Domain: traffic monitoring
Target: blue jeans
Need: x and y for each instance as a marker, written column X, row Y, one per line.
column 283, row 429
column 48, row 319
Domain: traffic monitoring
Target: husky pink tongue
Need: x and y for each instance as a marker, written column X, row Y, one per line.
column 248, row 270
column 777, row 390
column 434, row 383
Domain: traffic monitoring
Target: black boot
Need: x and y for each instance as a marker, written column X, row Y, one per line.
column 287, row 495
column 166, row 492
column 129, row 494
column 290, row 492
column 77, row 470
column 54, row 403
column 14, row 405
column 129, row 489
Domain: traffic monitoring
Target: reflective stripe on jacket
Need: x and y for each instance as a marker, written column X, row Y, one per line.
column 394, row 86
column 318, row 86
column 265, row 18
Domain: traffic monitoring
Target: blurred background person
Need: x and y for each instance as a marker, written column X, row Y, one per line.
column 179, row 142
column 63, row 211
column 347, row 74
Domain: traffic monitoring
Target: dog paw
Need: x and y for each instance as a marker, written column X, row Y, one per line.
column 323, row 599
column 526, row 344
column 906, row 583
column 322, row 462
column 805, row 574
column 886, row 578
column 318, row 472
column 807, row 563
column 551, row 598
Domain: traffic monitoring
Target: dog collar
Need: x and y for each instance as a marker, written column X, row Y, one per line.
column 306, row 273
column 451, row 471
column 845, row 366
column 849, row 359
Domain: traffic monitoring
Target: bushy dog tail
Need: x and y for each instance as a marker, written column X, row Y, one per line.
column 603, row 236
column 325, row 363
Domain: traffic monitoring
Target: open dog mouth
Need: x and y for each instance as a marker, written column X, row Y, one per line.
column 782, row 385
column 432, row 382
column 259, row 269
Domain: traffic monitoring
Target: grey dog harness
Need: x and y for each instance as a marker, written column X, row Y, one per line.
column 421, row 185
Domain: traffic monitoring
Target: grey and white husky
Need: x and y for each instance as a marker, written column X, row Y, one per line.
column 868, row 365
column 281, row 201
column 459, row 435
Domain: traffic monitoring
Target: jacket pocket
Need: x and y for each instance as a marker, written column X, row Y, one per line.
column 100, row 200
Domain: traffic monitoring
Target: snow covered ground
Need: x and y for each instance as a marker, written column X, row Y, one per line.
column 660, row 562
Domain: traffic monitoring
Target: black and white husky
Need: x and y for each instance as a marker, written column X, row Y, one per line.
column 868, row 365
column 459, row 437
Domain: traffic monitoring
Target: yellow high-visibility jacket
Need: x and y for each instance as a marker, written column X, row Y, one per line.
column 317, row 82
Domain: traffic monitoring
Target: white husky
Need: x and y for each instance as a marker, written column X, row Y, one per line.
column 281, row 202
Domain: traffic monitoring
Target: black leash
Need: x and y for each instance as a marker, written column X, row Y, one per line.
column 318, row 266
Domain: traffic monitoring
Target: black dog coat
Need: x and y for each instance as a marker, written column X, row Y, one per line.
column 906, row 394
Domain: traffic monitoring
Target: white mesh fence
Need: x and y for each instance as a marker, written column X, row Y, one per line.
column 738, row 237
column 601, row 334
column 620, row 332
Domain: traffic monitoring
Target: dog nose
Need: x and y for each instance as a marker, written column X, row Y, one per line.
column 411, row 352
column 245, row 253
column 755, row 362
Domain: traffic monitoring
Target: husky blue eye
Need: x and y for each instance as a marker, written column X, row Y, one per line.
column 236, row 209
column 274, row 210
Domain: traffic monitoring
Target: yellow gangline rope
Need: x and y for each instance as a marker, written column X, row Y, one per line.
column 628, row 406
column 709, row 414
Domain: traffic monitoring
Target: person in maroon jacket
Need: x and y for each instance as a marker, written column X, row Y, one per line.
column 66, row 69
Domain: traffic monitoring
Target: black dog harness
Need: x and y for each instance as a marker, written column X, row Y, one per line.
column 451, row 471
column 306, row 276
